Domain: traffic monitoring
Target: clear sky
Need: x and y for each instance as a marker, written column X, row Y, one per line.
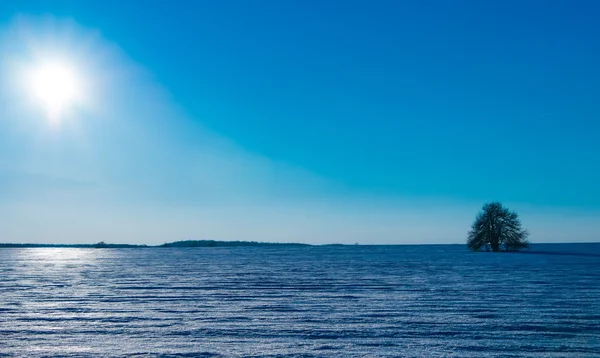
column 313, row 121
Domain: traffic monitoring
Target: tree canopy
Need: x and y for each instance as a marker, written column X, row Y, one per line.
column 496, row 228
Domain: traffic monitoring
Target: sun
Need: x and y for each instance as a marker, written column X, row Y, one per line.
column 56, row 87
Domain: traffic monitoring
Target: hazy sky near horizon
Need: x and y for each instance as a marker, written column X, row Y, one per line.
column 312, row 121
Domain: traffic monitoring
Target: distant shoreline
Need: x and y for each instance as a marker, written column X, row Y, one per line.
column 185, row 243
column 217, row 243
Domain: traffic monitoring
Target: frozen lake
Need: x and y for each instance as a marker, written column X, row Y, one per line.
column 410, row 301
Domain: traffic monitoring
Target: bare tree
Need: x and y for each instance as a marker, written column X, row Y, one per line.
column 496, row 228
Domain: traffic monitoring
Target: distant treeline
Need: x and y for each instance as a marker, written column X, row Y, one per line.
column 185, row 243
column 214, row 243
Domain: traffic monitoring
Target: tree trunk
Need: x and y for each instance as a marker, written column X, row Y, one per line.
column 494, row 237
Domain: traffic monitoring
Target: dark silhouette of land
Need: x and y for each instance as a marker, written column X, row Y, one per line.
column 185, row 243
column 215, row 243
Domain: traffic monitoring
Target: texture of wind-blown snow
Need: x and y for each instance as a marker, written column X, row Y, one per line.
column 411, row 301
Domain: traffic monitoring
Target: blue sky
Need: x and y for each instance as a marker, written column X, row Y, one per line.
column 394, row 117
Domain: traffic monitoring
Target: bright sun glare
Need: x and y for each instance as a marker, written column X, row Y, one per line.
column 56, row 86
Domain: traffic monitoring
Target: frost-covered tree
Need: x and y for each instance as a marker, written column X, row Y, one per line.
column 495, row 229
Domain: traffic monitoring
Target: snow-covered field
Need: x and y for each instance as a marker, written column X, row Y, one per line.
column 410, row 301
